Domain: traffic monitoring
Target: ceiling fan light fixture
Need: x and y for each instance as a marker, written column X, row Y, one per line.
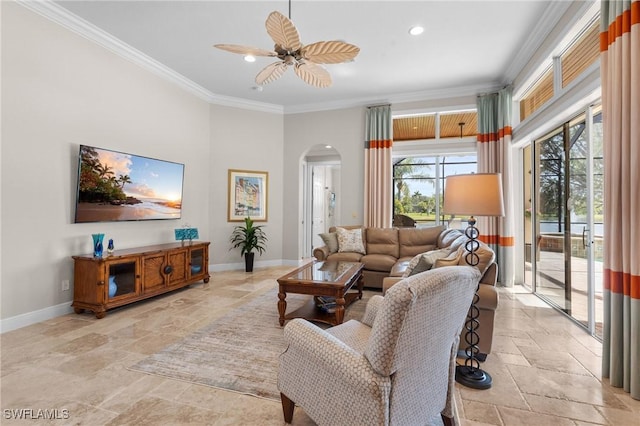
column 416, row 30
column 304, row 59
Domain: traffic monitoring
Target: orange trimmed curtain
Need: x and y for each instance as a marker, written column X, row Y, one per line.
column 378, row 190
column 494, row 156
column 620, row 74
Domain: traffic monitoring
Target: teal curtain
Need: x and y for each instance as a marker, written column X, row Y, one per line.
column 620, row 75
column 378, row 168
column 494, row 156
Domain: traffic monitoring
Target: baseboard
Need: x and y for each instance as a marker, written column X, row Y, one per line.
column 23, row 320
column 29, row 318
column 239, row 266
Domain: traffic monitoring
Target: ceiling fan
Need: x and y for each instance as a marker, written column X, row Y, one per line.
column 291, row 52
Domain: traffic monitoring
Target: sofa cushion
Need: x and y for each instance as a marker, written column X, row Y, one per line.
column 486, row 257
column 485, row 254
column 383, row 241
column 399, row 267
column 350, row 240
column 344, row 257
column 453, row 259
column 424, row 261
column 330, row 240
column 378, row 262
column 414, row 241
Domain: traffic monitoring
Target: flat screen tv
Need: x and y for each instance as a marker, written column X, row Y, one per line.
column 116, row 186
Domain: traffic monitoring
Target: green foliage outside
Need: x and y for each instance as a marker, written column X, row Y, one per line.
column 98, row 183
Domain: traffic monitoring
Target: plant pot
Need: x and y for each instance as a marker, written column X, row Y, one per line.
column 248, row 261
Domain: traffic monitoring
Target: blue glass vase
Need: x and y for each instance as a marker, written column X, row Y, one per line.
column 97, row 244
column 113, row 287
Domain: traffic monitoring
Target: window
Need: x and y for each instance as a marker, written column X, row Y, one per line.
column 418, row 185
column 414, row 128
column 578, row 56
column 457, row 124
column 539, row 94
column 584, row 52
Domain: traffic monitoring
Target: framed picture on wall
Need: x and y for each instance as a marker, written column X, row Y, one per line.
column 247, row 195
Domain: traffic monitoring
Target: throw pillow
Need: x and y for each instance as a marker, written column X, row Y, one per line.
column 330, row 240
column 350, row 240
column 425, row 261
column 452, row 260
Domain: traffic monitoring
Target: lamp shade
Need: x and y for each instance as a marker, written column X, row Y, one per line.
column 477, row 194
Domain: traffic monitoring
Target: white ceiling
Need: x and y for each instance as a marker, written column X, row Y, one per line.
column 467, row 46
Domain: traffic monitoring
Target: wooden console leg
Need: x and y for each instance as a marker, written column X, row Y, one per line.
column 287, row 408
column 448, row 421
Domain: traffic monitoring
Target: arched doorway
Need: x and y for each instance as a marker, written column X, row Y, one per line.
column 321, row 194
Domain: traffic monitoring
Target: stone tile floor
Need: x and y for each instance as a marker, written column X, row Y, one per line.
column 545, row 369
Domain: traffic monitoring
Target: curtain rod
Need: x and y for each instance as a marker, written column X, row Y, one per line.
column 378, row 105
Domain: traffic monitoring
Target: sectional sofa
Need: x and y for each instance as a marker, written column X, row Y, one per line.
column 391, row 254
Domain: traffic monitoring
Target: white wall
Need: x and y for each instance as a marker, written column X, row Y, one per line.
column 344, row 130
column 60, row 90
column 245, row 140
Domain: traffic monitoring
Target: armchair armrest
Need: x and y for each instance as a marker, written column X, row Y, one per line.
column 317, row 350
column 371, row 312
column 317, row 365
column 321, row 253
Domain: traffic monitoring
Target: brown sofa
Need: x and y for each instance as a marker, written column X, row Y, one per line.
column 388, row 252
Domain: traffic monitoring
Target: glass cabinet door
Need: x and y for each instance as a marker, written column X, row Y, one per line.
column 122, row 278
column 197, row 262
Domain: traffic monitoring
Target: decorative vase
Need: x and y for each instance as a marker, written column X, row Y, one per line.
column 110, row 246
column 248, row 261
column 97, row 244
column 113, row 287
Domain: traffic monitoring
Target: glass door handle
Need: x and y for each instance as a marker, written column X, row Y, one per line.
column 585, row 244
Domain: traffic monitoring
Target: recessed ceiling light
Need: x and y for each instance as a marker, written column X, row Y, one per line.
column 417, row 30
column 249, row 58
column 328, row 146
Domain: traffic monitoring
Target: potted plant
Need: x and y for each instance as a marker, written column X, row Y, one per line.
column 248, row 237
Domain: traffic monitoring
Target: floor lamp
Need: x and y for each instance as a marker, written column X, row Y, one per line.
column 477, row 194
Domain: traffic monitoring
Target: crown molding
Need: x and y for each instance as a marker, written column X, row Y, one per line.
column 393, row 99
column 74, row 23
column 550, row 18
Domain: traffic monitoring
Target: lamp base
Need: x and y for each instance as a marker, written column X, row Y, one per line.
column 475, row 378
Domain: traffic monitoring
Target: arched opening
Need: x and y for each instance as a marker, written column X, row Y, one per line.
column 320, row 166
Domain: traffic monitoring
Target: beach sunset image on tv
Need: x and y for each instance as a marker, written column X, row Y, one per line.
column 115, row 186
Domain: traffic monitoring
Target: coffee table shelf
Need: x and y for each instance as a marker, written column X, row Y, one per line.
column 331, row 279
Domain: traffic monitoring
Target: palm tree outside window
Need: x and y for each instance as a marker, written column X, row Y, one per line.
column 418, row 185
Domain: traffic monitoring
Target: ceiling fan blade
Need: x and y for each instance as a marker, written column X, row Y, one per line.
column 271, row 72
column 283, row 32
column 313, row 74
column 329, row 52
column 245, row 50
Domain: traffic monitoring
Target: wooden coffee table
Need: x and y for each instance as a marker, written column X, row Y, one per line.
column 321, row 280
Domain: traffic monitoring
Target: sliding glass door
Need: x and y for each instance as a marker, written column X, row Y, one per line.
column 564, row 218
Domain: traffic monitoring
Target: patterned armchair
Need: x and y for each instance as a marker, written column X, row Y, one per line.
column 396, row 367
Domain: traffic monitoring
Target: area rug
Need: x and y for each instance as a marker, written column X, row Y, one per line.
column 238, row 352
